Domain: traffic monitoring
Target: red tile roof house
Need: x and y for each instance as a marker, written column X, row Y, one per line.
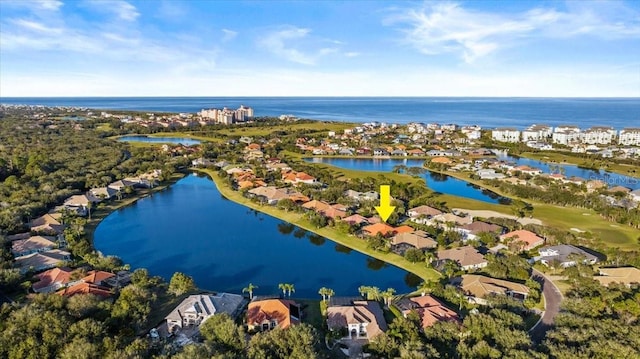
column 356, row 219
column 52, row 280
column 527, row 240
column 430, row 310
column 92, row 283
column 266, row 314
column 378, row 228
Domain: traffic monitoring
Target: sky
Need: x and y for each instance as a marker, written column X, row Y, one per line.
column 320, row 48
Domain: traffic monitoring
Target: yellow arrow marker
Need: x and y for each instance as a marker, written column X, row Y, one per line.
column 385, row 209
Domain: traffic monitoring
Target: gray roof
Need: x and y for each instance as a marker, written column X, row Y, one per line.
column 206, row 305
column 561, row 253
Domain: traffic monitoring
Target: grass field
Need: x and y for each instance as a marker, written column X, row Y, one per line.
column 288, row 127
column 419, row 269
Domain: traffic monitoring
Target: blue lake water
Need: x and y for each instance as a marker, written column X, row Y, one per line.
column 487, row 112
column 191, row 228
column 435, row 181
column 173, row 140
column 612, row 179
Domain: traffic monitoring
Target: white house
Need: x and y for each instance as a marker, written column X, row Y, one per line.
column 629, row 137
column 566, row 135
column 599, row 135
column 537, row 133
column 505, row 134
column 195, row 309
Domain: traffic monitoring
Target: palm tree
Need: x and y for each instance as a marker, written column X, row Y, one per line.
column 290, row 288
column 399, row 168
column 249, row 289
column 425, row 287
column 330, row 293
column 388, row 295
column 363, row 290
column 283, row 287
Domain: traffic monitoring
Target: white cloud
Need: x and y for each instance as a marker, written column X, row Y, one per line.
column 446, row 27
column 352, row 54
column 120, row 8
column 34, row 5
column 293, row 43
column 228, row 35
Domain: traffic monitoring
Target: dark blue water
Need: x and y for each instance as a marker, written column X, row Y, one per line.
column 435, row 181
column 173, row 140
column 487, row 112
column 610, row 178
column 224, row 246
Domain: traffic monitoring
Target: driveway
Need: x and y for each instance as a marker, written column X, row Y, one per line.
column 552, row 299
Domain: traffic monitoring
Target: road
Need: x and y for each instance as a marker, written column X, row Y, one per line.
column 552, row 299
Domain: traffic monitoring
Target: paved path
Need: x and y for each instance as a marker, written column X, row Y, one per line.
column 552, row 299
column 488, row 214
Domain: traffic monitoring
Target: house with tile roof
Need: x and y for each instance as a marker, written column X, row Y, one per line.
column 356, row 219
column 52, row 280
column 415, row 239
column 195, row 309
column 478, row 287
column 624, row 275
column 266, row 314
column 48, row 223
column 527, row 240
column 85, row 288
column 467, row 257
column 41, row 261
column 429, row 309
column 422, row 212
column 33, row 244
column 361, row 319
column 373, row 230
column 97, row 277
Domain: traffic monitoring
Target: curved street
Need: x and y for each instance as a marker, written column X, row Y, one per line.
column 552, row 299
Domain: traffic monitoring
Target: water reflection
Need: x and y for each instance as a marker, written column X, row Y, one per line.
column 316, row 239
column 375, row 264
column 412, row 280
column 343, row 249
column 300, row 233
column 286, row 228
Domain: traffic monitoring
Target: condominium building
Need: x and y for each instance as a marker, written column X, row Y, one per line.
column 537, row 133
column 505, row 134
column 599, row 135
column 629, row 137
column 227, row 116
column 566, row 135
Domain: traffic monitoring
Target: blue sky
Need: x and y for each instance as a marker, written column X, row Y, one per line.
column 319, row 48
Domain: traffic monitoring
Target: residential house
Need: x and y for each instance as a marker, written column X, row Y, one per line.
column 505, row 134
column 121, row 185
column 266, row 314
column 422, row 213
column 356, row 219
column 467, row 257
column 537, row 133
column 564, row 255
column 41, row 261
column 527, row 240
column 429, row 309
column 378, row 228
column 202, row 162
column 489, row 174
column 52, row 280
column 566, row 135
column 361, row 319
column 452, row 218
column 472, row 230
column 625, row 275
column 416, row 152
column 78, row 204
column 417, row 239
column 599, row 135
column 32, row 244
column 362, row 196
column 629, row 137
column 316, row 205
column 380, row 152
column 477, row 288
column 103, row 193
column 85, row 288
column 296, row 178
column 526, row 170
column 196, row 309
column 48, row 223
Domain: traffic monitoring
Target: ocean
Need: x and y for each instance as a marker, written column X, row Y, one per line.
column 486, row 112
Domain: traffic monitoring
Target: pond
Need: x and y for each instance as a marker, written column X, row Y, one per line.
column 224, row 246
column 172, row 140
column 436, row 181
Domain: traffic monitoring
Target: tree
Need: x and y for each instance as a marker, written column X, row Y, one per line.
column 283, row 287
column 296, row 342
column 290, row 288
column 426, row 287
column 249, row 289
column 388, row 295
column 181, row 283
column 414, row 255
column 223, row 334
column 326, row 293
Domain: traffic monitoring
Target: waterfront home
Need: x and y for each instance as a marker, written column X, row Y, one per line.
column 380, row 152
column 196, row 309
column 472, row 230
column 85, row 288
column 429, row 309
column 316, row 205
column 78, row 204
column 296, row 178
column 599, row 135
column 202, row 162
column 629, row 137
column 566, row 135
column 526, row 170
column 505, row 134
column 267, row 314
column 416, row 152
column 565, row 255
column 625, row 275
column 478, row 288
column 416, row 239
column 32, row 244
column 537, row 132
column 103, row 193
column 121, row 185
column 272, row 195
column 467, row 257
column 52, row 280
column 619, row 189
column 356, row 220
column 523, row 239
column 489, row 174
column 48, row 223
column 378, row 228
column 452, row 218
column 361, row 319
column 41, row 261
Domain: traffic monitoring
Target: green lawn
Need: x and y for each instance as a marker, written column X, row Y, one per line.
column 319, row 126
column 419, row 269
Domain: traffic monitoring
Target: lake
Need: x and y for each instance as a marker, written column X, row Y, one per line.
column 224, row 246
column 172, row 140
column 436, row 181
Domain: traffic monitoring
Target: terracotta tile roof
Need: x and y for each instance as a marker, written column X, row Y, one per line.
column 32, row 244
column 316, row 205
column 97, row 277
column 355, row 219
column 378, row 228
column 260, row 311
column 334, row 213
column 85, row 288
column 530, row 239
column 430, row 310
column 404, row 229
column 51, row 277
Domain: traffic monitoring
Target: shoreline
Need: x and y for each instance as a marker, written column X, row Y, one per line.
column 419, row 269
